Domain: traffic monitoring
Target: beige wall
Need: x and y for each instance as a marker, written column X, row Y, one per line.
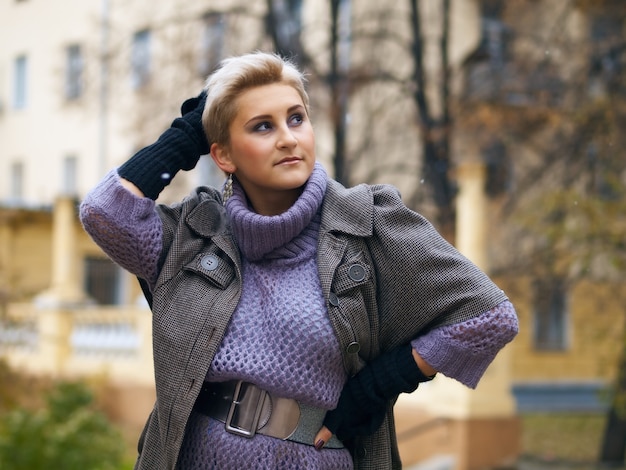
column 101, row 130
column 102, row 134
column 47, row 130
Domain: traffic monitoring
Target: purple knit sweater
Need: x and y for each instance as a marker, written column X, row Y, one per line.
column 280, row 336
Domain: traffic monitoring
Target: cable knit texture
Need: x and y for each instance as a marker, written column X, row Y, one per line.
column 279, row 337
column 125, row 226
column 207, row 446
column 465, row 350
column 258, row 235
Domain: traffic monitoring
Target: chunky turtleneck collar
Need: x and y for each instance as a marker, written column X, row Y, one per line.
column 258, row 235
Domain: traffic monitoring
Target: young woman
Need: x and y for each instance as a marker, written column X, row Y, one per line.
column 288, row 311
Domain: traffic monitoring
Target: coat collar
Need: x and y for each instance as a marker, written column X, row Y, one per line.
column 348, row 210
column 208, row 218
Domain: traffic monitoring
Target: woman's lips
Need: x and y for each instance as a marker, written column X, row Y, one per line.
column 289, row 160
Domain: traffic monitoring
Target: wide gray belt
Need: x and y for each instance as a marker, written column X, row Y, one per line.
column 246, row 410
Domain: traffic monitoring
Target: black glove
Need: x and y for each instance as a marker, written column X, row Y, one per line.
column 363, row 401
column 194, row 104
column 178, row 148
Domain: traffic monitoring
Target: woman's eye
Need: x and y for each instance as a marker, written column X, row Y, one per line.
column 296, row 119
column 263, row 126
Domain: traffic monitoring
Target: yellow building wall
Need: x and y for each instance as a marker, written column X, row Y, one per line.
column 25, row 254
column 596, row 324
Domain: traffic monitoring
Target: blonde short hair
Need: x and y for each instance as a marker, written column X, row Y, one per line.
column 238, row 74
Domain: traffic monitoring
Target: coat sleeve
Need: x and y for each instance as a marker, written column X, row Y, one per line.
column 423, row 282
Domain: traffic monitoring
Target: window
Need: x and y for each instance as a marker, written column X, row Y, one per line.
column 140, row 59
column 495, row 35
column 344, row 45
column 603, row 173
column 288, row 17
column 73, row 72
column 212, row 44
column 69, row 175
column 102, row 280
column 494, row 40
column 499, row 168
column 487, row 72
column 550, row 315
column 491, row 8
column 608, row 56
column 17, row 182
column 20, row 82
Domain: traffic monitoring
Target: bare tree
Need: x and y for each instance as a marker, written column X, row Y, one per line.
column 548, row 85
column 435, row 130
column 284, row 27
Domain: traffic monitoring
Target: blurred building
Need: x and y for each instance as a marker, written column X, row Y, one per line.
column 85, row 83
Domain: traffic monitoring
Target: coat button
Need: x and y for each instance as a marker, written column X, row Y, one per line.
column 356, row 272
column 353, row 348
column 333, row 299
column 209, row 262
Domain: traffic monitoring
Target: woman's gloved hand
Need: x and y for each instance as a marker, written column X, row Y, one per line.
column 363, row 401
column 178, row 148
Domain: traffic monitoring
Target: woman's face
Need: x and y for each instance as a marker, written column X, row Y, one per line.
column 271, row 149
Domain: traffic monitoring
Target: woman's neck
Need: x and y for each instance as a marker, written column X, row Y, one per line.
column 275, row 202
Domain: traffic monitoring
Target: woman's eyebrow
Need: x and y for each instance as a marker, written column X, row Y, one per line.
column 269, row 116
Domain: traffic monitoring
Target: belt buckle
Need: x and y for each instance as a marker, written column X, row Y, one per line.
column 245, row 409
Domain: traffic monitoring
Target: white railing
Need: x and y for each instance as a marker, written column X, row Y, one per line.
column 119, row 338
column 18, row 334
column 110, row 341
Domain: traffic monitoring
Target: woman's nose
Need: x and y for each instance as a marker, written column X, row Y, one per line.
column 286, row 138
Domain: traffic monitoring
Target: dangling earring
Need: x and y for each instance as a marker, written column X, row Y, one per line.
column 227, row 190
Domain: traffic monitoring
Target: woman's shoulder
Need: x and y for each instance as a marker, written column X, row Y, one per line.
column 339, row 190
column 197, row 197
column 365, row 196
column 370, row 211
column 202, row 210
column 368, row 194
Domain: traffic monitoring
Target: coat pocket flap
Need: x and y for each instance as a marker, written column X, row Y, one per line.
column 216, row 269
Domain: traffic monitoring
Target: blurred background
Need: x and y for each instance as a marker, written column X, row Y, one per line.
column 501, row 121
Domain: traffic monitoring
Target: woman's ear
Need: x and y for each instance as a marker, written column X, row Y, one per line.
column 221, row 157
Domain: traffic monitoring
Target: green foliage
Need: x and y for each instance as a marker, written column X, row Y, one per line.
column 7, row 399
column 576, row 234
column 67, row 434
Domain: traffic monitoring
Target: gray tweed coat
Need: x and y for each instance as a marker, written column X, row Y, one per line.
column 413, row 280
